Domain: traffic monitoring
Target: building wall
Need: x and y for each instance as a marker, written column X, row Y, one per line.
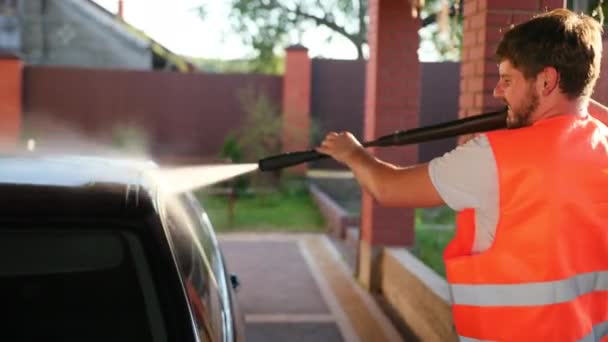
column 78, row 33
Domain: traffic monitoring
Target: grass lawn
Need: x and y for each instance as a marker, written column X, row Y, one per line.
column 276, row 211
column 294, row 211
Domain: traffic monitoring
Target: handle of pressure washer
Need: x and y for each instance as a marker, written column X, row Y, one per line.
column 473, row 124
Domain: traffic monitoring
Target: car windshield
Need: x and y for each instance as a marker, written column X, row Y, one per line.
column 77, row 286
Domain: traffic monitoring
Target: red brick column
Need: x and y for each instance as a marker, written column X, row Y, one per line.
column 392, row 102
column 10, row 102
column 296, row 103
column 601, row 89
column 483, row 22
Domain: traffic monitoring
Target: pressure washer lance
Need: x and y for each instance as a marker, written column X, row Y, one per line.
column 474, row 124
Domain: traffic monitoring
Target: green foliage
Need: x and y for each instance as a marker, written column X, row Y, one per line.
column 129, row 138
column 445, row 29
column 435, row 216
column 273, row 211
column 269, row 26
column 223, row 66
column 260, row 134
column 434, row 230
column 231, row 149
column 597, row 8
column 293, row 186
column 429, row 247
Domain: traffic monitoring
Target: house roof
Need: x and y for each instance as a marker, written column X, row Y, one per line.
column 181, row 63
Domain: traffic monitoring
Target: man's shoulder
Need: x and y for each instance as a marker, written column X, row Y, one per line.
column 479, row 141
column 477, row 147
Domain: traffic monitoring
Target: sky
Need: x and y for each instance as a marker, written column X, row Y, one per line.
column 175, row 24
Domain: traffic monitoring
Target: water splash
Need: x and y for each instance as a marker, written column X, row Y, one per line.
column 183, row 179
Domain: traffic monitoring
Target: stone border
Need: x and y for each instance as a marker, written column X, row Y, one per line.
column 338, row 219
column 419, row 296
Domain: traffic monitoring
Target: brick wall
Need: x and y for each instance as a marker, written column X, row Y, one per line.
column 601, row 89
column 483, row 22
column 392, row 102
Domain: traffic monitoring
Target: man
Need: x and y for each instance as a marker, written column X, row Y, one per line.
column 529, row 261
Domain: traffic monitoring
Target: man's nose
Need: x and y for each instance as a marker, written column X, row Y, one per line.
column 498, row 91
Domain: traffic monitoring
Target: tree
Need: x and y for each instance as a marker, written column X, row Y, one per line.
column 267, row 25
column 597, row 8
column 594, row 8
column 442, row 28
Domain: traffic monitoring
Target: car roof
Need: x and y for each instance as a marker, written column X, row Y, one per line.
column 73, row 185
column 72, row 170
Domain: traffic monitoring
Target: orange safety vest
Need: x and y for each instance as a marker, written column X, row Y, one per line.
column 545, row 278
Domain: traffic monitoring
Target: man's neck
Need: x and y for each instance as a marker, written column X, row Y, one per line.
column 576, row 107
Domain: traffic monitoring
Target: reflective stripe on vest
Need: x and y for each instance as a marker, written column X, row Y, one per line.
column 600, row 331
column 541, row 293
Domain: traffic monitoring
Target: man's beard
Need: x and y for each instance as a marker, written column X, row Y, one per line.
column 521, row 116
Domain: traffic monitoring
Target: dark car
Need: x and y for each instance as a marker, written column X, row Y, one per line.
column 95, row 249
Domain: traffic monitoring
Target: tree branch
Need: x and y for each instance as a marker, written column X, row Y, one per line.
column 353, row 38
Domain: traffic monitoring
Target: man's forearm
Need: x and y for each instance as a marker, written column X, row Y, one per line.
column 367, row 170
column 394, row 186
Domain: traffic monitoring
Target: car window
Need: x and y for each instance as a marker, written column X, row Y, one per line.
column 196, row 266
column 77, row 285
column 205, row 234
column 203, row 230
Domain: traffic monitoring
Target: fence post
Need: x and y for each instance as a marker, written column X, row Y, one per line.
column 296, row 104
column 10, row 101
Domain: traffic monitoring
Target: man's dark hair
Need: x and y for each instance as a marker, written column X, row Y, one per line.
column 569, row 42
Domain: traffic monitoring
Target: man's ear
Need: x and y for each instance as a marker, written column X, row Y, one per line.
column 550, row 80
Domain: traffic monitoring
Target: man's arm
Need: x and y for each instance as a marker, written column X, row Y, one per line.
column 388, row 184
column 598, row 111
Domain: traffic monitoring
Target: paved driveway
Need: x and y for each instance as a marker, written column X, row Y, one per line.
column 294, row 287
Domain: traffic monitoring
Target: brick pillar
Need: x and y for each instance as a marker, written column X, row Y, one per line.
column 392, row 102
column 121, row 10
column 10, row 102
column 482, row 25
column 600, row 92
column 296, row 103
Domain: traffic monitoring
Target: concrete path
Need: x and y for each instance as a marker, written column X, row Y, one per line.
column 296, row 287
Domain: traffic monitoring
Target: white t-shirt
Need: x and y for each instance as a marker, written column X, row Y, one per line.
column 466, row 177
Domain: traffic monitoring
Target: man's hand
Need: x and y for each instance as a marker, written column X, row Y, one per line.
column 389, row 184
column 343, row 147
